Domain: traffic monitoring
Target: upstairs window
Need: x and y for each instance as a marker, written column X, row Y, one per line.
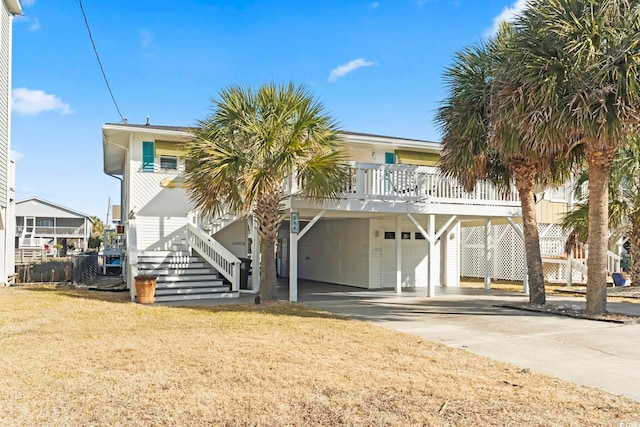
column 168, row 162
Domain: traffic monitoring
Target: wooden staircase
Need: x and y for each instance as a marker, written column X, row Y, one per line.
column 182, row 277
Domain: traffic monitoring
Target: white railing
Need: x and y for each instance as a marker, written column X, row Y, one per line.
column 215, row 254
column 372, row 181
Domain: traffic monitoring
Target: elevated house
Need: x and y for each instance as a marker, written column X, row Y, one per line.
column 398, row 224
column 40, row 224
column 8, row 9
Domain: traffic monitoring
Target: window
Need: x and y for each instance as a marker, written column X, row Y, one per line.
column 406, row 235
column 169, row 162
column 419, row 236
column 389, row 235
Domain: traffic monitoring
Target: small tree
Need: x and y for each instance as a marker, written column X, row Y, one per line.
column 252, row 142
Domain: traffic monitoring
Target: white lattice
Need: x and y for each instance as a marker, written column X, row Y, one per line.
column 509, row 253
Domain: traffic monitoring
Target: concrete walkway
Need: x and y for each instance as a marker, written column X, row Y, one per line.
column 591, row 353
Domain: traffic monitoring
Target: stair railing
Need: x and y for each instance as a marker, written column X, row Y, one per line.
column 214, row 253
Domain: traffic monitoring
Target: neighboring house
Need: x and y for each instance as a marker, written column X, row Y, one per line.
column 40, row 224
column 7, row 166
column 398, row 224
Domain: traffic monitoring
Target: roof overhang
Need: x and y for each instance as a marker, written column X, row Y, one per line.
column 116, row 138
column 14, row 6
column 392, row 142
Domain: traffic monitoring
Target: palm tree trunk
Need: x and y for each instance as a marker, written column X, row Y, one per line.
column 525, row 174
column 634, row 239
column 599, row 166
column 267, row 213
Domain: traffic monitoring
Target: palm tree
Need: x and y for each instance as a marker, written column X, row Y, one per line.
column 580, row 71
column 476, row 145
column 624, row 206
column 246, row 148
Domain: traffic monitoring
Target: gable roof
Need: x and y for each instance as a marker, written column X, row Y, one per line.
column 52, row 205
column 13, row 6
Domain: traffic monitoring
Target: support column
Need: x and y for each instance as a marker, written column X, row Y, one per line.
column 255, row 257
column 293, row 256
column 431, row 288
column 398, row 254
column 487, row 254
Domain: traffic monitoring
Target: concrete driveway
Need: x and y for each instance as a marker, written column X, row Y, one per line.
column 590, row 353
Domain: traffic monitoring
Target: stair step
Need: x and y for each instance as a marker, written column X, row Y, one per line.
column 167, row 258
column 163, row 253
column 188, row 278
column 190, row 291
column 214, row 295
column 194, row 284
column 169, row 265
column 173, row 271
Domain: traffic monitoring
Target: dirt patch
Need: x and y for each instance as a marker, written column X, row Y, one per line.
column 571, row 310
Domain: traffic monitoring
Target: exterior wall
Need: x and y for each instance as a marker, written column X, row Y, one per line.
column 159, row 233
column 5, row 96
column 550, row 212
column 450, row 258
column 161, row 212
column 7, row 172
column 359, row 153
column 336, row 251
column 234, row 237
column 415, row 257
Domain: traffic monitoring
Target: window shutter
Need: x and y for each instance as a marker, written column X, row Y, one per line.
column 148, row 156
column 389, row 158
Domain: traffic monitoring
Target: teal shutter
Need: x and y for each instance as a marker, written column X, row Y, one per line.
column 389, row 158
column 148, row 156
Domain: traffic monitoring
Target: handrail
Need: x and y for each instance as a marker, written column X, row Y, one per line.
column 215, row 254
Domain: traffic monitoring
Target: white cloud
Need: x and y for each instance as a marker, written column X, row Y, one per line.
column 35, row 25
column 146, row 37
column 30, row 102
column 507, row 15
column 27, row 3
column 345, row 69
column 16, row 155
column 375, row 5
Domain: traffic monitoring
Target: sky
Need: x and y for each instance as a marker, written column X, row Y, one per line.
column 376, row 66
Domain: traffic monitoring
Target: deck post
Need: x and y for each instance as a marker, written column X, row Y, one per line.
column 432, row 239
column 255, row 257
column 487, row 254
column 398, row 254
column 293, row 256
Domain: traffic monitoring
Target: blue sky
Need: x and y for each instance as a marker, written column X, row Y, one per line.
column 376, row 66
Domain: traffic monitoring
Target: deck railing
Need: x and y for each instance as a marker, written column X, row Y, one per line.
column 372, row 181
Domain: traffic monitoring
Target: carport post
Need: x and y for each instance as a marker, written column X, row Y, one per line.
column 294, row 228
column 255, row 255
column 398, row 254
column 487, row 254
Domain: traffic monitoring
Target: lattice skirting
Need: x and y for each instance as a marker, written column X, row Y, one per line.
column 507, row 252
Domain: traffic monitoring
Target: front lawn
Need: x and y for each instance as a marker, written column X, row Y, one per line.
column 71, row 357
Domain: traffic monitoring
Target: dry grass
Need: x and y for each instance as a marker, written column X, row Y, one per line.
column 89, row 358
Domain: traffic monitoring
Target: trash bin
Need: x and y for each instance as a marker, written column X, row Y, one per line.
column 145, row 289
column 245, row 268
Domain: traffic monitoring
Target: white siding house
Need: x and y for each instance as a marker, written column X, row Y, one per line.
column 8, row 9
column 397, row 225
column 40, row 222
